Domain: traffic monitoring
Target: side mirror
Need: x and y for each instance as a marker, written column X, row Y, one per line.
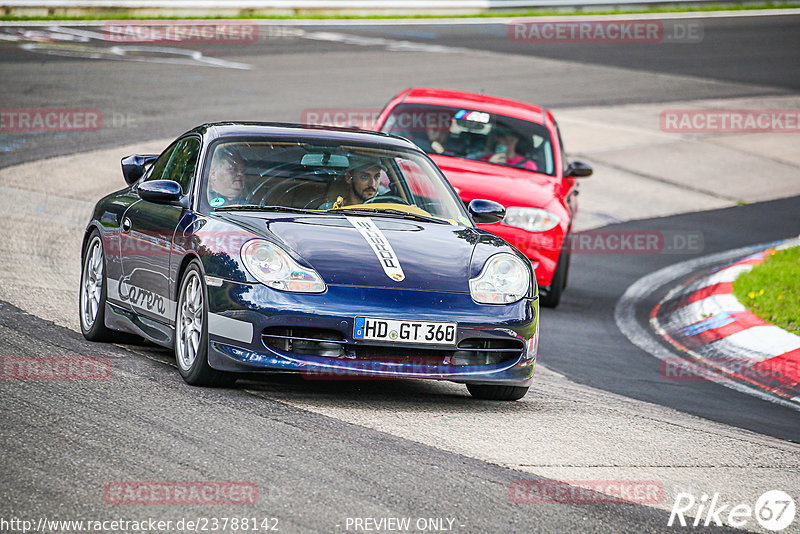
column 486, row 211
column 578, row 169
column 133, row 166
column 160, row 191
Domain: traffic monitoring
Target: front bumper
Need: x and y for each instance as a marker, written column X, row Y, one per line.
column 242, row 316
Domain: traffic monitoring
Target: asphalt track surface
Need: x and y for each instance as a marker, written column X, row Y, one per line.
column 601, row 354
column 62, row 442
column 760, row 51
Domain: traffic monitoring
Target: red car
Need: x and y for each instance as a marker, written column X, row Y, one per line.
column 506, row 151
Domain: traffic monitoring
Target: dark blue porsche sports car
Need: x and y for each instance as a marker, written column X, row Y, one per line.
column 254, row 247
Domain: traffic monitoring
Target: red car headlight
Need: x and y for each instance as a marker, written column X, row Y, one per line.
column 531, row 219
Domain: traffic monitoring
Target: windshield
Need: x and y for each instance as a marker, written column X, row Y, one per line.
column 476, row 135
column 325, row 176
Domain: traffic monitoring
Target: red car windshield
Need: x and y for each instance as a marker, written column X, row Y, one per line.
column 475, row 135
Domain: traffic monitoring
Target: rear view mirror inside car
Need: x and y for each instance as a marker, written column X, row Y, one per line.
column 325, row 159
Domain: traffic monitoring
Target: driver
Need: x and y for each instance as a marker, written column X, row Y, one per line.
column 437, row 135
column 226, row 178
column 362, row 180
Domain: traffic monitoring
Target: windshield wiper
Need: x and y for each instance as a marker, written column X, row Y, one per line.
column 256, row 207
column 390, row 212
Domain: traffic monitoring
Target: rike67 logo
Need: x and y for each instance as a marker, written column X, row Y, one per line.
column 774, row 510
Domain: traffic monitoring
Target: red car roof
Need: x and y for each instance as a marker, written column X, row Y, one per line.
column 491, row 104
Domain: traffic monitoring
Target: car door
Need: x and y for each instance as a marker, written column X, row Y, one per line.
column 571, row 185
column 147, row 237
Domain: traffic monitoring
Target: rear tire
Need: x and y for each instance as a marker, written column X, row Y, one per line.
column 92, row 298
column 191, row 332
column 500, row 393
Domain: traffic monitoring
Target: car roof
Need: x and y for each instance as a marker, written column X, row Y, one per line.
column 215, row 130
column 475, row 101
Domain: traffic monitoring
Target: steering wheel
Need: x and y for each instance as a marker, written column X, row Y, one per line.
column 316, row 202
column 272, row 178
column 387, row 198
column 252, row 194
column 275, row 188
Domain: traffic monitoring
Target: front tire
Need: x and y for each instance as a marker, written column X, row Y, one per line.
column 550, row 296
column 92, row 300
column 191, row 332
column 500, row 393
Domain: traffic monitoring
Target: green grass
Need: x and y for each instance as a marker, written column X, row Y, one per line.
column 127, row 15
column 772, row 290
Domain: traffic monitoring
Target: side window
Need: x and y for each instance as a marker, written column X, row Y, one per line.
column 157, row 170
column 182, row 163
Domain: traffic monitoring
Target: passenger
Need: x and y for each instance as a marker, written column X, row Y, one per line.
column 505, row 150
column 226, row 178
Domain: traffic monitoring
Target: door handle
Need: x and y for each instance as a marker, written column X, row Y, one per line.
column 126, row 225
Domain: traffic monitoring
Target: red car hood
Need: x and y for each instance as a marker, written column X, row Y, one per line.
column 506, row 185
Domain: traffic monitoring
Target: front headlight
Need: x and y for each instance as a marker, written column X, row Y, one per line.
column 272, row 266
column 503, row 280
column 531, row 219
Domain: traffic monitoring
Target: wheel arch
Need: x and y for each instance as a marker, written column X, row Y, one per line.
column 185, row 261
column 86, row 235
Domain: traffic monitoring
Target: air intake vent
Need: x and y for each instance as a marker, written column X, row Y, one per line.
column 480, row 351
column 311, row 341
column 331, row 344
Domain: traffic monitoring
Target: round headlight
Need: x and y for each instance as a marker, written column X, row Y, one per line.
column 268, row 260
column 504, row 279
column 272, row 266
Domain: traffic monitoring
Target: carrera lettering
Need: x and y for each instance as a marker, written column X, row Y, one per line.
column 142, row 298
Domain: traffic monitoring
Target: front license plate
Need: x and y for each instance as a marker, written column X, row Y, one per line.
column 370, row 328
